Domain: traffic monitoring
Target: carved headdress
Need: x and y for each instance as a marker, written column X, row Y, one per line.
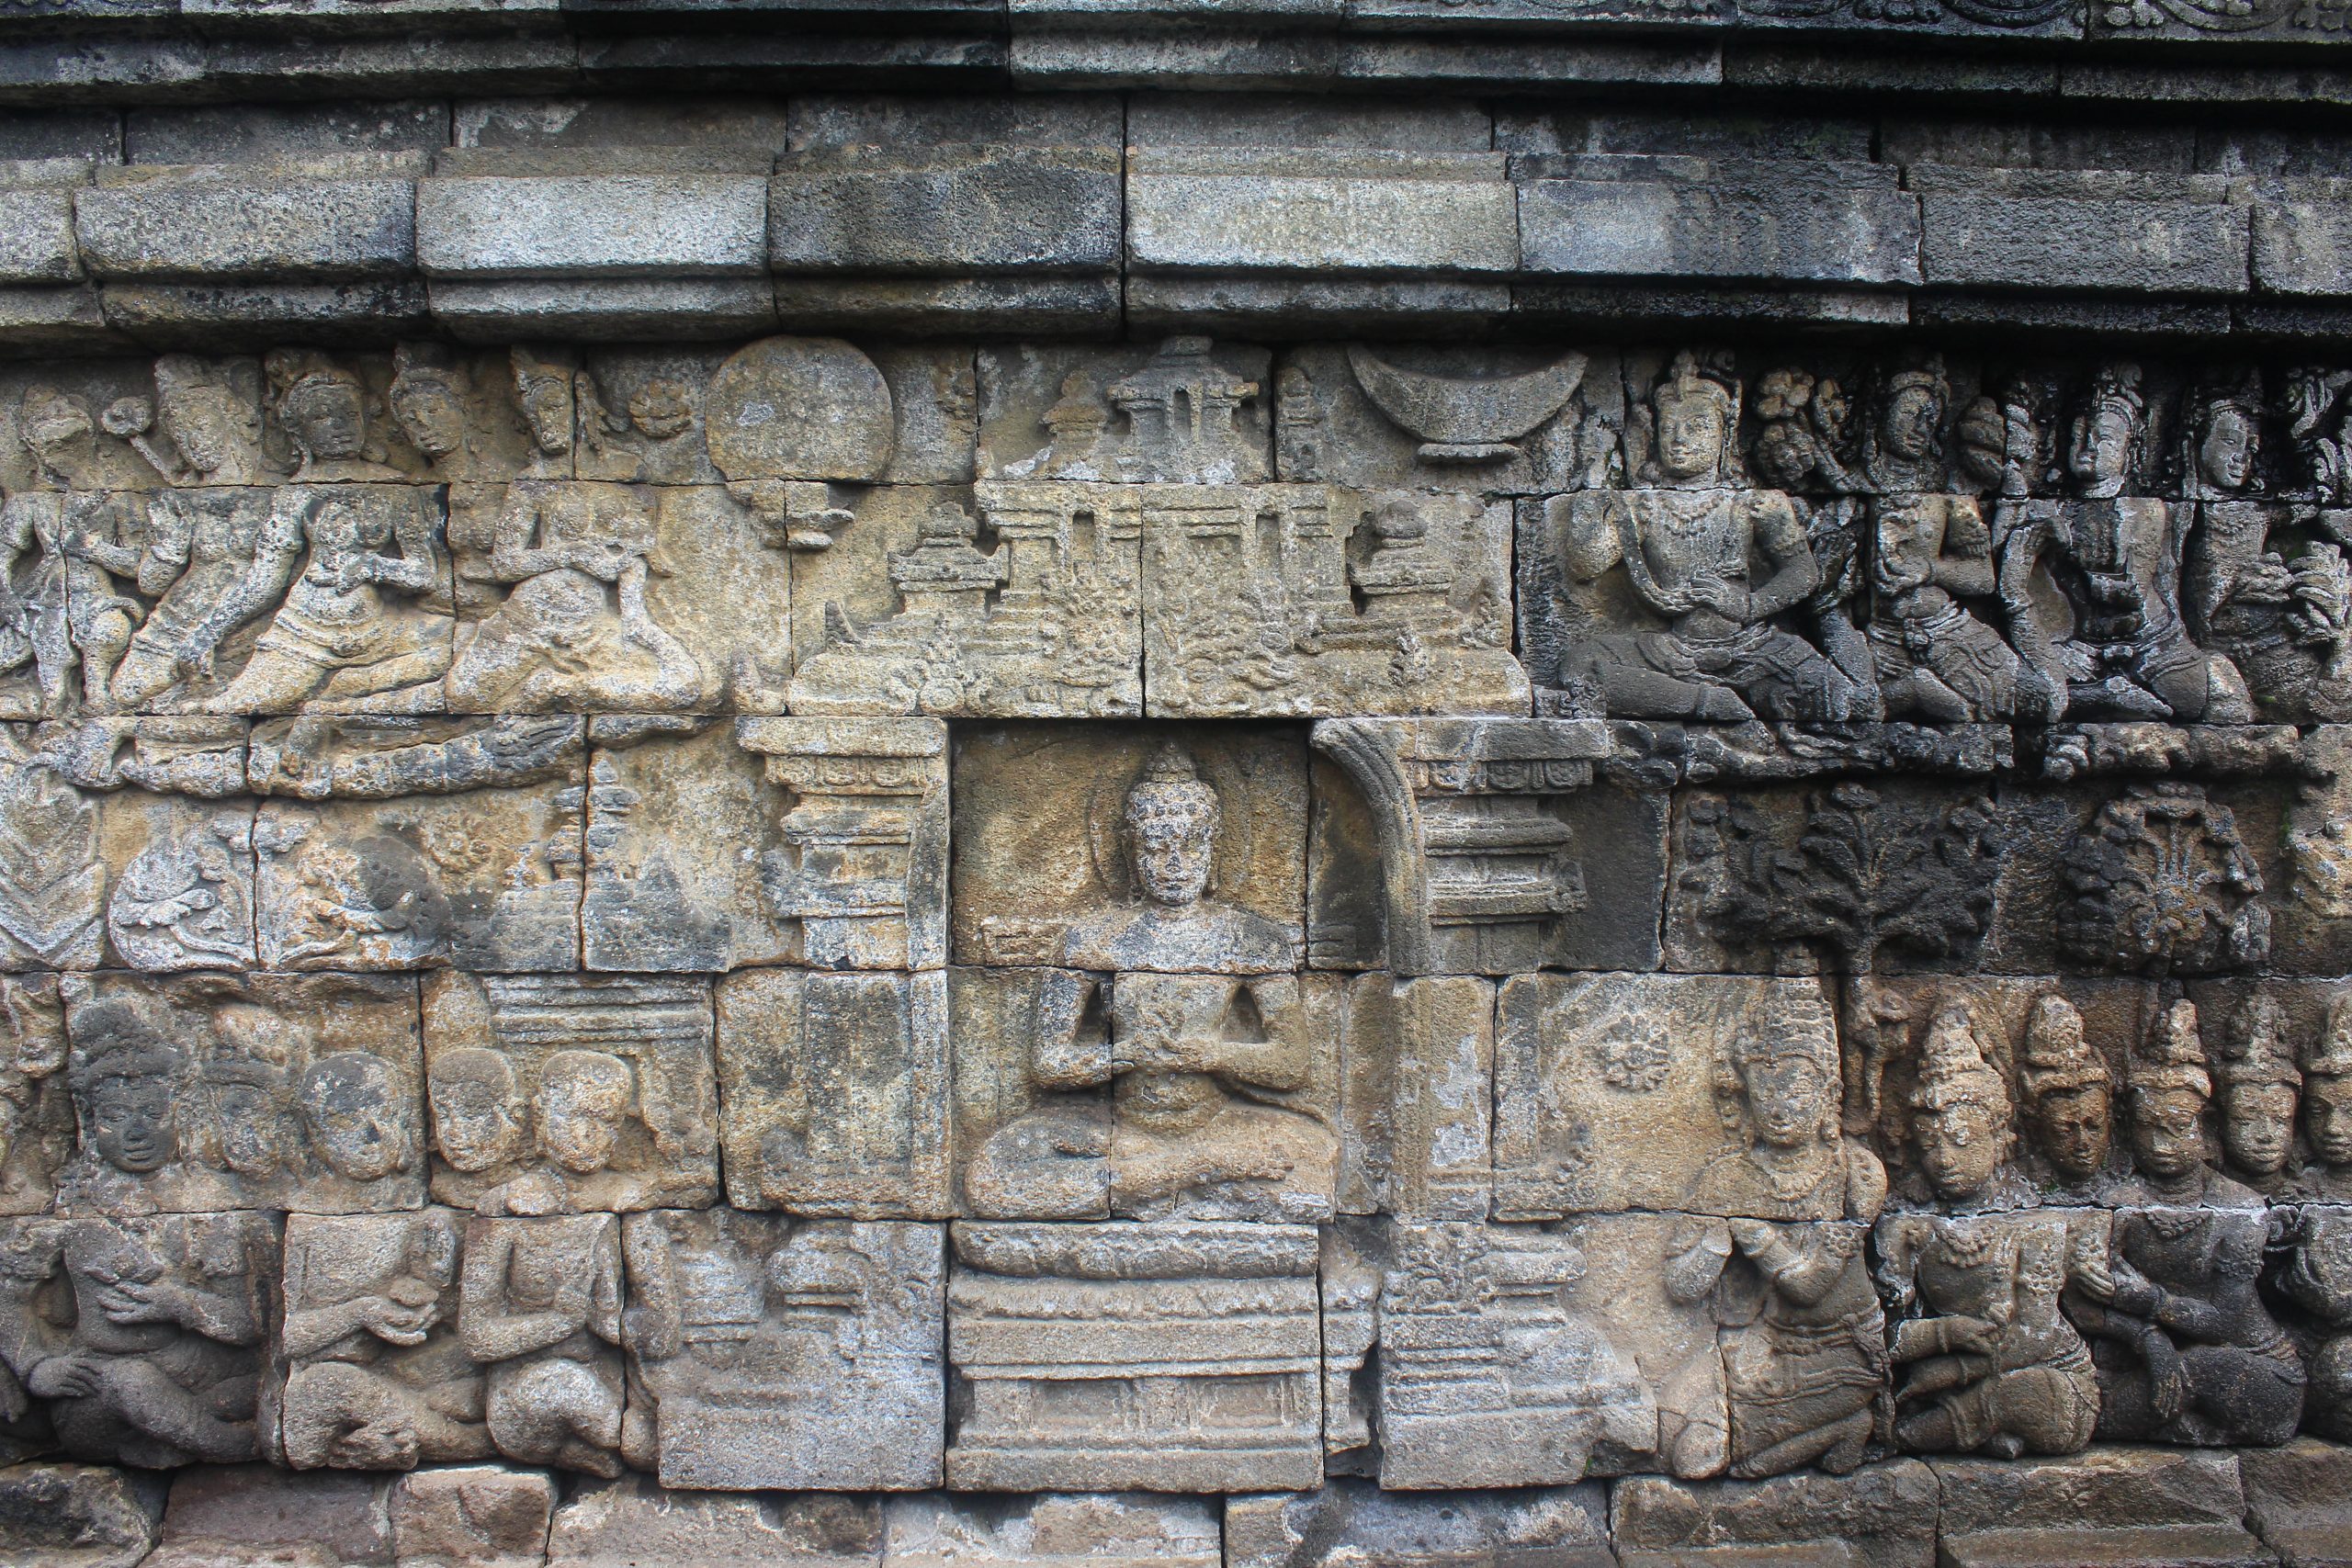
column 297, row 376
column 129, row 1046
column 1710, row 374
column 2256, row 1054
column 2172, row 1059
column 1953, row 1069
column 1796, row 1025
column 2058, row 1059
column 2328, row 1054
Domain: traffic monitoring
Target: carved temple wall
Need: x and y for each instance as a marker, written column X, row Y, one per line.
column 1596, row 814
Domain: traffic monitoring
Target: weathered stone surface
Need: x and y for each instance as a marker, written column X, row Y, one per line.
column 214, row 1093
column 222, row 1517
column 1478, row 846
column 1676, row 218
column 1212, row 1317
column 1416, row 1092
column 935, row 1532
column 836, row 1088
column 1142, row 1095
column 863, row 867
column 1297, row 600
column 489, row 879
column 841, row 1385
column 1242, row 210
column 633, row 1523
column 992, row 209
column 618, row 225
column 2295, row 1501
column 1517, row 1355
column 1348, row 1521
column 37, row 236
column 2119, row 1506
column 904, row 614
column 1883, row 1516
column 77, row 1515
column 230, row 225
column 1429, row 418
column 2075, row 234
column 472, row 1515
column 541, row 1309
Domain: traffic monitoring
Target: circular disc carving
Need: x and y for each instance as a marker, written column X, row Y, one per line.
column 800, row 408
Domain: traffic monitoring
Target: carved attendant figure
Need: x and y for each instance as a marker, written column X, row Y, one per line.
column 1804, row 1341
column 1962, row 1122
column 1199, row 1064
column 1928, row 551
column 2189, row 1353
column 159, row 1367
column 2327, row 1103
column 1686, row 548
column 2128, row 651
column 2071, row 1100
column 2259, row 1086
column 63, row 611
column 379, row 1380
column 2170, row 1091
column 1993, row 1366
column 2288, row 627
column 542, row 1310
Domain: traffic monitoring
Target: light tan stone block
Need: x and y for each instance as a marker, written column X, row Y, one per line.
column 838, row 1383
column 835, row 1092
column 267, row 1091
column 555, row 1094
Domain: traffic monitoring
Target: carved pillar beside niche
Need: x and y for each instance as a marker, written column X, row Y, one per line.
column 863, row 869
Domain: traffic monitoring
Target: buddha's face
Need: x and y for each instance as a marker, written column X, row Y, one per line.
column 2258, row 1126
column 1172, row 853
column 1959, row 1149
column 2226, row 455
column 2077, row 1126
column 1789, row 1099
column 2167, row 1133
column 130, row 1119
column 1690, row 435
column 2327, row 1117
column 1908, row 426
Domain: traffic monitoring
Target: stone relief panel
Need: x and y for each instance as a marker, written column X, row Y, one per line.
column 562, row 1094
column 835, row 1091
column 1195, row 1363
column 1595, row 1084
column 772, row 1352
column 143, row 1337
column 1189, row 412
column 1168, row 851
column 374, row 1375
column 214, row 1093
column 1060, row 919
